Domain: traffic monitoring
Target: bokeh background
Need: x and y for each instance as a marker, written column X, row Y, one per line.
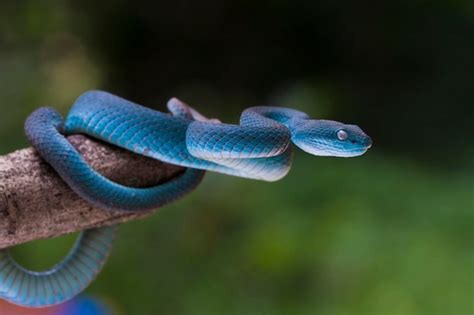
column 387, row 233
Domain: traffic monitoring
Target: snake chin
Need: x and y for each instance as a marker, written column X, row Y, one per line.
column 331, row 151
column 354, row 153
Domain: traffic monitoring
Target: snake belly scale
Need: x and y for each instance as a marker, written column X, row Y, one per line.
column 258, row 148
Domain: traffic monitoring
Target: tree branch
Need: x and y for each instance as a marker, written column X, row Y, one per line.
column 35, row 203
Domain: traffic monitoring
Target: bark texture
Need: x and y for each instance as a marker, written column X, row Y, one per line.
column 36, row 204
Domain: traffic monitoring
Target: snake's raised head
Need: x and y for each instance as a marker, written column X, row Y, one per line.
column 330, row 138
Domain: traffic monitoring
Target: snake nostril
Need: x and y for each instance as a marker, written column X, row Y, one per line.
column 353, row 141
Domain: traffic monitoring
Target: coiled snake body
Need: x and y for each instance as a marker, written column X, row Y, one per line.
column 259, row 148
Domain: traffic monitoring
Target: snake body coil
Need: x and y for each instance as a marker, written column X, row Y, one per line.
column 259, row 148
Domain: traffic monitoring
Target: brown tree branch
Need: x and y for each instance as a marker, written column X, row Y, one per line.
column 36, row 204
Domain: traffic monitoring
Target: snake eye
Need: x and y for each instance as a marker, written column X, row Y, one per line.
column 342, row 135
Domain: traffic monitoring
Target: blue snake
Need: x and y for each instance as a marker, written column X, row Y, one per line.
column 258, row 148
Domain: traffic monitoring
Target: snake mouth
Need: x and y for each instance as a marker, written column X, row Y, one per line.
column 367, row 144
column 361, row 148
column 357, row 151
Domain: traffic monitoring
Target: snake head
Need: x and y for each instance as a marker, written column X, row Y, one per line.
column 330, row 138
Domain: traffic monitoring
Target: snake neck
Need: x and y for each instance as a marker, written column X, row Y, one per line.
column 288, row 117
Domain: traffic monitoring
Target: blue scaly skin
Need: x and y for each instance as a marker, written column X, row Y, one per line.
column 259, row 148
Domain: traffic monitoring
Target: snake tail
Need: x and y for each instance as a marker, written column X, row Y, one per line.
column 63, row 281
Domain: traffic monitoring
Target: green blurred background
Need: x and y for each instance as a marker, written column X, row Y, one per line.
column 387, row 233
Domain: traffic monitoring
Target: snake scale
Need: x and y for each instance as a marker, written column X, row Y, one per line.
column 258, row 148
